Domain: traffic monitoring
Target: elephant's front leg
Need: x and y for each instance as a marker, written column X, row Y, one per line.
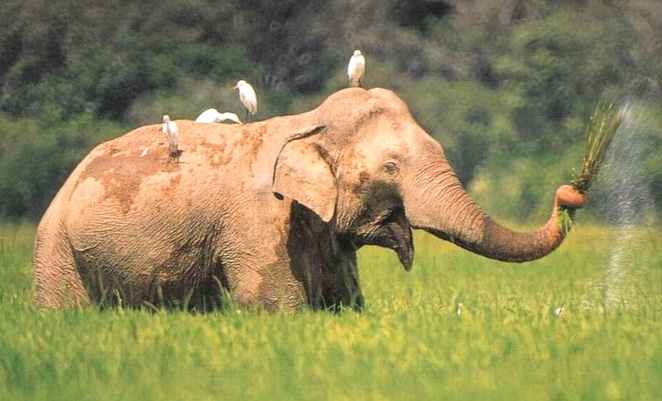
column 323, row 263
column 348, row 277
column 341, row 286
column 281, row 288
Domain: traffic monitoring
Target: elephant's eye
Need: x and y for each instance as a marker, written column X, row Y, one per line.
column 391, row 167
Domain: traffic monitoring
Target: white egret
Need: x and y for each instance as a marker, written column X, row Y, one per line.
column 558, row 311
column 247, row 96
column 458, row 309
column 356, row 68
column 213, row 116
column 229, row 117
column 170, row 129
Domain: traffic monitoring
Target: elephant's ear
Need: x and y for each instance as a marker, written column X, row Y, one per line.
column 301, row 173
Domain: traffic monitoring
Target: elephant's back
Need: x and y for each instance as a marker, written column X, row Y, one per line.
column 122, row 165
column 134, row 172
column 145, row 149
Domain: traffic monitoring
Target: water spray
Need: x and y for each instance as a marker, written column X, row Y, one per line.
column 626, row 198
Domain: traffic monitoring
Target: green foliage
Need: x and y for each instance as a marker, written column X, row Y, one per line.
column 565, row 219
column 501, row 83
column 37, row 156
column 408, row 343
column 470, row 120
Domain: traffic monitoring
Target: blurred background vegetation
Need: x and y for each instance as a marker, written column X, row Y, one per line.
column 507, row 86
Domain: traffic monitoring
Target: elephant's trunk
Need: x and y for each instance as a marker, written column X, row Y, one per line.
column 436, row 202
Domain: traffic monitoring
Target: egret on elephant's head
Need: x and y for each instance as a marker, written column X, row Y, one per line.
column 356, row 68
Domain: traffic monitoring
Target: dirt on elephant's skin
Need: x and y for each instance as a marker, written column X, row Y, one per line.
column 121, row 172
column 255, row 141
column 174, row 181
column 216, row 154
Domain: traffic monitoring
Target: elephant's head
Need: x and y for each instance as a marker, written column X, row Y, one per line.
column 366, row 167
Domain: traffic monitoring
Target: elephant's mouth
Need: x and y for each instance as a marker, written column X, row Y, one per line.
column 402, row 242
column 394, row 232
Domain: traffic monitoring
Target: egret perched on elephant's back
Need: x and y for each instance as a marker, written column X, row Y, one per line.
column 214, row 116
column 247, row 96
column 170, row 129
column 356, row 68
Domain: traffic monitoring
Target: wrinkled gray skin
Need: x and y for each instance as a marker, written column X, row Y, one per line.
column 271, row 213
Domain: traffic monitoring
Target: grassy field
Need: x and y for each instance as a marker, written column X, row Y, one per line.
column 408, row 344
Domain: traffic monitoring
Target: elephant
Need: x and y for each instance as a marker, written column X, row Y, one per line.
column 268, row 214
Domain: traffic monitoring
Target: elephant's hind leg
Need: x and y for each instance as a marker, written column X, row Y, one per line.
column 57, row 283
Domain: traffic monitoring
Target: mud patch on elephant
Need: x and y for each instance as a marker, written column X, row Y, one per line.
column 173, row 183
column 359, row 187
column 254, row 141
column 215, row 153
column 121, row 172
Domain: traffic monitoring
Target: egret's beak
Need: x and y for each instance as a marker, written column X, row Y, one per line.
column 235, row 87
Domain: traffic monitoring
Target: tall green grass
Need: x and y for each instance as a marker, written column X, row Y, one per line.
column 409, row 343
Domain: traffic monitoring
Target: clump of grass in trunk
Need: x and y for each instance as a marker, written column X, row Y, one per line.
column 605, row 121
